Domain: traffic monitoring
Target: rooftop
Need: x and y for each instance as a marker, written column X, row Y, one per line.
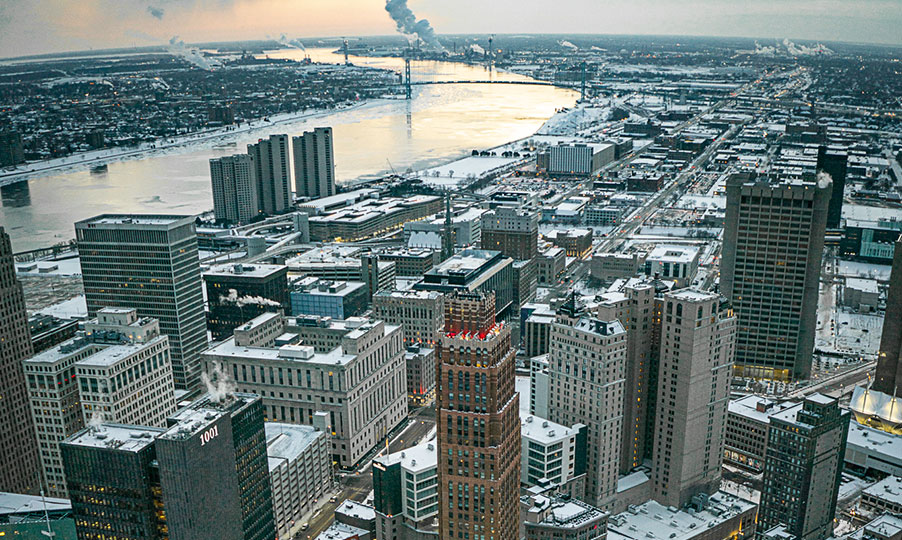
column 652, row 520
column 245, row 270
column 875, row 442
column 674, row 253
column 288, row 441
column 758, row 408
column 567, row 514
column 544, row 431
column 415, row 459
column 17, row 503
column 204, row 411
column 889, row 489
column 137, row 220
column 464, row 262
column 120, row 437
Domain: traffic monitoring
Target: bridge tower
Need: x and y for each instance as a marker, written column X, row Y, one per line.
column 345, row 47
column 407, row 89
column 582, row 91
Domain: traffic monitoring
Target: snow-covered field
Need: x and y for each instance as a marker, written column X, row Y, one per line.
column 65, row 267
column 74, row 308
column 464, row 170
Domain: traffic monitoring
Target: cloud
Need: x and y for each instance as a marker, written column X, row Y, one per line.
column 156, row 12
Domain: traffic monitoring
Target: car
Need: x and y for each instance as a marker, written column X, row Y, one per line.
column 333, row 499
column 305, row 526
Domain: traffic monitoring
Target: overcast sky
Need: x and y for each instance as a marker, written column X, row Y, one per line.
column 37, row 26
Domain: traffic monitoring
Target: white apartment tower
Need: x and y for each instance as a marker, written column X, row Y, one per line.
column 696, row 361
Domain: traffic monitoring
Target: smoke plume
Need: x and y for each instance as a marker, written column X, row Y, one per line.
column 96, row 421
column 242, row 301
column 824, row 179
column 217, row 383
column 409, row 25
column 291, row 43
column 156, row 12
column 178, row 48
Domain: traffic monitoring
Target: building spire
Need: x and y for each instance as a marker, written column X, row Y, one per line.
column 448, row 233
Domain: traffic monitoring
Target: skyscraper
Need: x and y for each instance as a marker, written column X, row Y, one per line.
column 272, row 168
column 314, row 163
column 770, row 271
column 802, row 468
column 834, row 161
column 18, row 447
column 888, row 378
column 694, row 372
column 512, row 231
column 586, row 366
column 235, row 188
column 477, row 423
column 149, row 263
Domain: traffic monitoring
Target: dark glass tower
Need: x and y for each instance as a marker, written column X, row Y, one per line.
column 19, row 469
column 834, row 161
column 889, row 370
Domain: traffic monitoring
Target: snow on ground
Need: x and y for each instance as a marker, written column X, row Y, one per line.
column 680, row 232
column 464, row 170
column 692, row 201
column 580, row 117
column 844, row 331
column 743, row 492
column 64, row 267
column 74, row 308
column 522, row 386
column 879, row 272
column 870, row 213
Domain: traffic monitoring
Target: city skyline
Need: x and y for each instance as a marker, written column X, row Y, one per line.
column 71, row 27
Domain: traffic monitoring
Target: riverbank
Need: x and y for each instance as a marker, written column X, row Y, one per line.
column 97, row 158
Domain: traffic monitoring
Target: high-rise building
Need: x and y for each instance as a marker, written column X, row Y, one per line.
column 19, row 467
column 586, row 367
column 477, row 423
column 272, row 169
column 802, row 468
column 150, row 263
column 12, row 150
column 238, row 293
column 114, row 484
column 405, row 491
column 474, row 270
column 512, row 231
column 421, row 314
column 314, row 163
column 214, row 470
column 770, row 271
column 834, row 161
column 117, row 370
column 234, row 180
column 694, row 372
column 888, row 378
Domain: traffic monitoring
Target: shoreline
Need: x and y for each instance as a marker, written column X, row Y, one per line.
column 96, row 158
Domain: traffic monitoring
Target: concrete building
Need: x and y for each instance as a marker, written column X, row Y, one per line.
column 861, row 294
column 378, row 274
column 47, row 331
column 551, row 452
column 213, row 469
column 300, row 470
column 314, row 163
column 888, row 378
column 466, row 230
column 234, row 188
column 562, row 519
column 539, row 385
column 525, row 283
column 748, row 423
column 536, row 331
column 411, row 262
column 604, row 215
column 149, row 263
column 694, row 372
column 575, row 242
column 371, row 217
column 678, row 263
column 405, row 492
column 336, row 299
column 477, row 422
column 420, row 374
column 237, row 293
column 360, row 381
column 719, row 517
column 802, row 468
column 774, row 229
column 586, row 368
column 873, row 452
column 607, row 267
column 550, row 264
column 474, row 270
column 513, row 232
column 30, row 517
column 884, row 497
column 272, row 169
column 421, row 314
column 19, row 470
column 579, row 159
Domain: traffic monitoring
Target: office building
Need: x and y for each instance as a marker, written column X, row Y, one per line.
column 149, row 263
column 748, row 423
column 802, row 468
column 420, row 374
column 336, row 299
column 114, row 486
column 31, row 517
column 213, row 469
column 564, row 519
column 673, row 263
column 117, row 370
column 539, row 385
column 237, row 293
column 411, row 262
column 834, row 161
column 536, row 331
column 477, row 422
column 579, row 159
column 586, row 366
column 314, row 164
column 12, row 150
column 770, row 272
column 888, row 379
column 421, row 314
column 405, row 492
column 356, row 375
column 719, row 517
column 694, row 372
column 300, row 470
column 525, row 283
column 371, row 217
column 512, row 231
column 47, row 331
column 575, row 242
column 378, row 274
column 607, row 267
column 474, row 270
column 552, row 452
column 234, row 188
column 19, row 469
column 272, row 170
column 550, row 264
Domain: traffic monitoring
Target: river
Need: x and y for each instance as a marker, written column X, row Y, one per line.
column 440, row 123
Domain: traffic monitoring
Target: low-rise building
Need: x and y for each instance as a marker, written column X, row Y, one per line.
column 720, row 516
column 419, row 313
column 861, row 294
column 371, row 217
column 607, row 267
column 884, row 497
column 564, row 519
column 576, row 242
column 550, row 264
column 336, row 299
column 872, row 451
column 678, row 263
column 551, row 452
column 745, row 439
column 300, row 470
column 47, row 331
column 31, row 517
column 420, row 374
column 411, row 262
column 604, row 215
column 579, row 159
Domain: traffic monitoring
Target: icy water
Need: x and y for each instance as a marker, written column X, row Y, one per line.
column 441, row 123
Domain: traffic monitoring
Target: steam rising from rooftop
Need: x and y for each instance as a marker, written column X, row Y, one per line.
column 217, row 383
